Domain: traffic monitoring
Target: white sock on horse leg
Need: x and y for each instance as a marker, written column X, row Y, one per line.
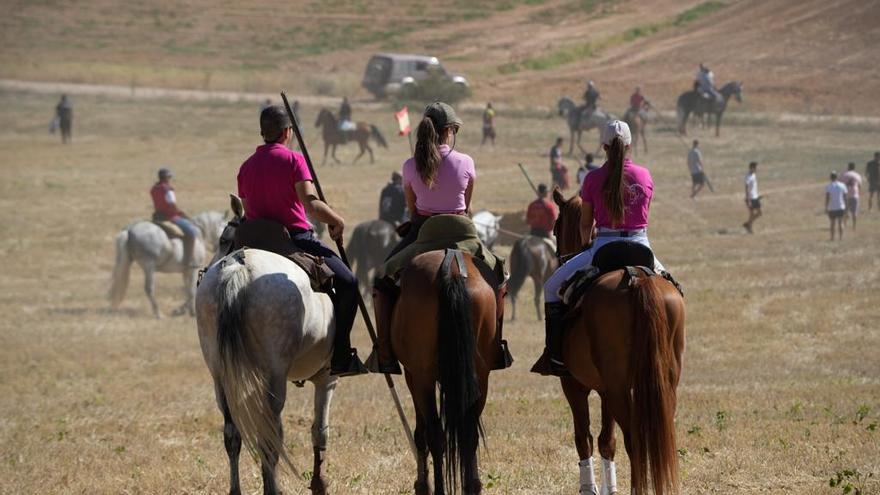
column 588, row 477
column 609, row 477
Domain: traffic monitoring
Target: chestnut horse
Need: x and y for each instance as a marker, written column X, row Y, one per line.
column 626, row 341
column 443, row 332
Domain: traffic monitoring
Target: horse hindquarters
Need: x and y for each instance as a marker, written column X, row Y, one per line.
column 654, row 365
column 121, row 270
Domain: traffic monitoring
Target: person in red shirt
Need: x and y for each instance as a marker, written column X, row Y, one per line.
column 541, row 214
column 165, row 209
column 275, row 184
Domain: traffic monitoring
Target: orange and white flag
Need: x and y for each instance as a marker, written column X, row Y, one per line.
column 403, row 121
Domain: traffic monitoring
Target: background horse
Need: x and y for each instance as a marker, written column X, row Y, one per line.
column 488, row 226
column 367, row 248
column 578, row 122
column 691, row 102
column 147, row 244
column 443, row 332
column 333, row 136
column 626, row 341
column 637, row 122
column 260, row 325
column 533, row 257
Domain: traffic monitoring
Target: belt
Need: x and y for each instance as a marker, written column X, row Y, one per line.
column 620, row 233
column 428, row 214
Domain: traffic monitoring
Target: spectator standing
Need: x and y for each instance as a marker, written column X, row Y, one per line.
column 695, row 164
column 64, row 114
column 872, row 171
column 853, row 182
column 488, row 125
column 753, row 200
column 835, row 204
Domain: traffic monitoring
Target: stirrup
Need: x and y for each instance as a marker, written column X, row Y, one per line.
column 545, row 366
column 352, row 366
column 374, row 365
column 506, row 359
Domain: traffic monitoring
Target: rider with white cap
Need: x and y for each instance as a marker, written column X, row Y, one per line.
column 616, row 199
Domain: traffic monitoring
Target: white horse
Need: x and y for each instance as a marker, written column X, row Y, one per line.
column 578, row 122
column 260, row 325
column 488, row 226
column 148, row 245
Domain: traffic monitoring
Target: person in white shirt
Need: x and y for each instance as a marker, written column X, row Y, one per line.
column 695, row 164
column 835, row 204
column 853, row 182
column 753, row 200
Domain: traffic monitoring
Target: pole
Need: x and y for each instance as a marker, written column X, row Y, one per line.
column 409, row 138
column 363, row 308
column 529, row 179
column 683, row 143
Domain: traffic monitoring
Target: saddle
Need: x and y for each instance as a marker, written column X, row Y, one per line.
column 621, row 255
column 272, row 236
column 170, row 229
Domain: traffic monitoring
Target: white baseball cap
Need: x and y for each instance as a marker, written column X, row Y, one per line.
column 616, row 128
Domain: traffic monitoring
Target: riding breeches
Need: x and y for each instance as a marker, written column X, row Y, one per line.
column 345, row 285
column 583, row 260
column 190, row 231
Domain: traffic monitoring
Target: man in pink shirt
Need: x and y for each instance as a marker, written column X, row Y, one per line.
column 853, row 182
column 275, row 184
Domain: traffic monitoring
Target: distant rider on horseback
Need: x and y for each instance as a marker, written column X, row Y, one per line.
column 705, row 84
column 637, row 103
column 345, row 123
column 617, row 197
column 275, row 184
column 165, row 209
column 392, row 201
column 591, row 97
column 541, row 214
column 437, row 180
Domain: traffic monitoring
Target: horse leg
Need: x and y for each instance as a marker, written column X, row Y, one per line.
column 324, row 387
column 231, row 439
column 578, row 401
column 363, row 150
column 429, row 430
column 717, row 124
column 619, row 405
column 150, row 286
column 190, row 276
column 371, row 152
column 276, row 396
column 333, row 154
column 326, row 148
column 539, row 291
column 607, row 449
column 644, row 138
column 570, row 141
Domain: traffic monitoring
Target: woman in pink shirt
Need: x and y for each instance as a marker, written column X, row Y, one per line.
column 437, row 180
column 616, row 199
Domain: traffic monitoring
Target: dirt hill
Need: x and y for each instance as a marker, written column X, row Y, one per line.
column 805, row 56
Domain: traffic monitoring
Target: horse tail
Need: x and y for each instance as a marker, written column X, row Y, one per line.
column 244, row 384
column 653, row 399
column 459, row 390
column 374, row 131
column 519, row 267
column 121, row 270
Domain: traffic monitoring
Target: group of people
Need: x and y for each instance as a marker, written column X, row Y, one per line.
column 843, row 191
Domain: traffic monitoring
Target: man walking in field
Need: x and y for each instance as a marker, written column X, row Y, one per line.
column 872, row 171
column 695, row 165
column 753, row 200
column 835, row 204
column 64, row 114
column 853, row 182
column 488, row 125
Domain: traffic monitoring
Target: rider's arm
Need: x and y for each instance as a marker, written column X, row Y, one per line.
column 586, row 223
column 319, row 210
column 468, row 194
column 410, row 200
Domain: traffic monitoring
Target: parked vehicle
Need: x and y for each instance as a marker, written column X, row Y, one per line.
column 392, row 73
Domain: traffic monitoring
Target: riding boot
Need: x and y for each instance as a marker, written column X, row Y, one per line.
column 382, row 359
column 550, row 362
column 189, row 244
column 505, row 358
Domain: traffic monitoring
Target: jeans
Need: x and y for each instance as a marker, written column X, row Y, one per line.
column 583, row 260
column 345, row 286
column 190, row 231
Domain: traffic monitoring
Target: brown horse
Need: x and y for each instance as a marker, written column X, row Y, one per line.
column 626, row 341
column 637, row 123
column 443, row 332
column 531, row 257
column 333, row 136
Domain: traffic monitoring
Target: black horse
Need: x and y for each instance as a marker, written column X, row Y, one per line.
column 691, row 102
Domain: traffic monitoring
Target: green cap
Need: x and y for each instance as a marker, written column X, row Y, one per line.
column 442, row 115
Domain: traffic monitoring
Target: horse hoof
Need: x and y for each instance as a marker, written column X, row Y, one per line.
column 318, row 486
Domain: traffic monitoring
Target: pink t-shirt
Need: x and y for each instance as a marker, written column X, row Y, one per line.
column 639, row 191
column 447, row 194
column 853, row 182
column 266, row 182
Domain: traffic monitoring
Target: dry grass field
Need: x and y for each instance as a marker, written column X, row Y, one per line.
column 781, row 387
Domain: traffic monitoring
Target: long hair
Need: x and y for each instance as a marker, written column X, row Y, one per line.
column 614, row 188
column 427, row 152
